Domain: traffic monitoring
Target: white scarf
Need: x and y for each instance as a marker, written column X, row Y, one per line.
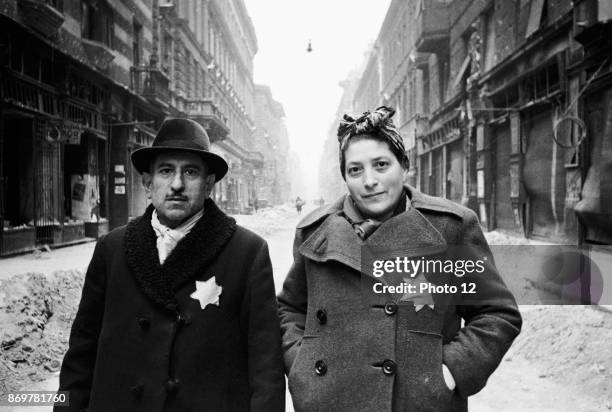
column 167, row 238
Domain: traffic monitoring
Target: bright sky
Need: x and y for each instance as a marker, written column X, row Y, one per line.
column 306, row 84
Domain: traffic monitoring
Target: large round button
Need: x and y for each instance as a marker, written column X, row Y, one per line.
column 172, row 385
column 320, row 368
column 183, row 319
column 390, row 309
column 322, row 316
column 389, row 367
column 136, row 390
column 144, row 323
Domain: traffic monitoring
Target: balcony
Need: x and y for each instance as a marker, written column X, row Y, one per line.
column 99, row 54
column 206, row 113
column 256, row 159
column 41, row 16
column 433, row 26
column 151, row 83
column 25, row 92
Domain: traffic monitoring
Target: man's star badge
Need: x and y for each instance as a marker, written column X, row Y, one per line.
column 207, row 292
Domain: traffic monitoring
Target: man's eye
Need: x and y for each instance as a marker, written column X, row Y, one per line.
column 191, row 172
column 165, row 171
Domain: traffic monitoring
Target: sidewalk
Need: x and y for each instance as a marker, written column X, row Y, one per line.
column 66, row 258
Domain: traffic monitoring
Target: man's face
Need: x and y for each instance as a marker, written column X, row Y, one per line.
column 178, row 184
column 374, row 177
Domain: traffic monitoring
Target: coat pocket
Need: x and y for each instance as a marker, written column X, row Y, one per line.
column 422, row 385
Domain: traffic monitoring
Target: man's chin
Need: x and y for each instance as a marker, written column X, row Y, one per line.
column 173, row 218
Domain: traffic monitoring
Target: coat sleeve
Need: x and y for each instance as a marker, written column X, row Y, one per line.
column 492, row 319
column 266, row 377
column 292, row 301
column 76, row 373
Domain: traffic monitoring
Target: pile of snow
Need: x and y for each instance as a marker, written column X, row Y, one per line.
column 36, row 313
column 269, row 220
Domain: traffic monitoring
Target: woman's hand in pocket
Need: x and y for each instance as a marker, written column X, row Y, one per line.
column 448, row 378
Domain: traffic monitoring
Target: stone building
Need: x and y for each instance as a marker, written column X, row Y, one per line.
column 331, row 184
column 85, row 82
column 272, row 141
column 497, row 104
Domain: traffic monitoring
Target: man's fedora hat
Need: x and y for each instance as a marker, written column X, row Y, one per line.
column 185, row 135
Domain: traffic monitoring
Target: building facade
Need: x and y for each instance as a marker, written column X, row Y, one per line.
column 497, row 103
column 272, row 141
column 85, row 82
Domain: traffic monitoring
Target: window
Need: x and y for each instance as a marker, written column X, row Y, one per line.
column 425, row 70
column 97, row 22
column 137, row 43
column 489, row 30
column 443, row 72
column 538, row 16
column 167, row 53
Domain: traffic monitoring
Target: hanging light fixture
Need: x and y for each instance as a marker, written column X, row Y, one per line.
column 309, row 48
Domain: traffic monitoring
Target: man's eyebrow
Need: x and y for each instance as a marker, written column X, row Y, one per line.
column 164, row 164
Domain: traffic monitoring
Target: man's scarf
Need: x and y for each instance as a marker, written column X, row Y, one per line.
column 167, row 238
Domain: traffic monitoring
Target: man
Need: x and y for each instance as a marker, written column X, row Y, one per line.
column 178, row 311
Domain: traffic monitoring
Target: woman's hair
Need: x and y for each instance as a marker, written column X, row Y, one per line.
column 376, row 125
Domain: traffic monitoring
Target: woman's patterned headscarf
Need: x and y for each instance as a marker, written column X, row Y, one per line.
column 377, row 124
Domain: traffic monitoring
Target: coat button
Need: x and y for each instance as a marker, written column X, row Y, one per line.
column 322, row 316
column 144, row 323
column 390, row 309
column 389, row 367
column 183, row 319
column 136, row 390
column 320, row 368
column 172, row 385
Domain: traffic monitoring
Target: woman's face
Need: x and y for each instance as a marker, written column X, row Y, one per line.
column 374, row 177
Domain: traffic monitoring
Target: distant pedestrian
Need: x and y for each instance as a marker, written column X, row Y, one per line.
column 298, row 204
column 178, row 311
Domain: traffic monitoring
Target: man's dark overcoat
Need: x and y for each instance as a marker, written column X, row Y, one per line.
column 347, row 349
column 139, row 342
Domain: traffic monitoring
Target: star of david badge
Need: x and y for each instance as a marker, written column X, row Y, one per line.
column 419, row 299
column 207, row 292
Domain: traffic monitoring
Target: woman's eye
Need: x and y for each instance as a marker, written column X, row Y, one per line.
column 382, row 164
column 353, row 170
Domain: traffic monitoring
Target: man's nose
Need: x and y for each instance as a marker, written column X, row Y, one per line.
column 177, row 183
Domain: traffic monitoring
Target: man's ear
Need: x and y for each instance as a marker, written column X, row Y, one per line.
column 147, row 182
column 209, row 183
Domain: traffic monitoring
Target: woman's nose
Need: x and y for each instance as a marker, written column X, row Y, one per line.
column 369, row 178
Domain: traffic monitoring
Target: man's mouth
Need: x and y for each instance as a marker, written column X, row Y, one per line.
column 176, row 199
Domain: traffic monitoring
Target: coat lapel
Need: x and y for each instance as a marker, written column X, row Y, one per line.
column 408, row 234
column 187, row 260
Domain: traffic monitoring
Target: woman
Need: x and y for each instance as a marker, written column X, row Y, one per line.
column 349, row 348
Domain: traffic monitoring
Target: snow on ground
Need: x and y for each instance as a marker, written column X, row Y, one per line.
column 562, row 353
